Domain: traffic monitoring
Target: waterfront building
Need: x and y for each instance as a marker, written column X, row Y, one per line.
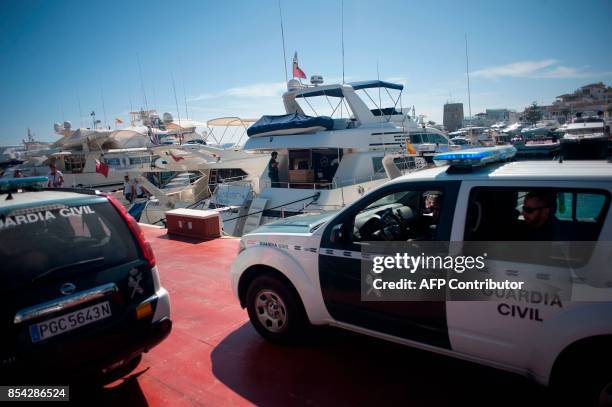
column 453, row 116
column 588, row 100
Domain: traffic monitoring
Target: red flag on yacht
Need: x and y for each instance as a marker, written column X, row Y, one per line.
column 297, row 72
column 176, row 158
column 102, row 168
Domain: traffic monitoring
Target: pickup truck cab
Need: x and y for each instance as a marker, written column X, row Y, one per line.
column 307, row 269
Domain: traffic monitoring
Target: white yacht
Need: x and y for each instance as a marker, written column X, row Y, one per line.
column 75, row 154
column 211, row 165
column 513, row 129
column 124, row 150
column 541, row 129
column 586, row 137
column 477, row 135
column 324, row 162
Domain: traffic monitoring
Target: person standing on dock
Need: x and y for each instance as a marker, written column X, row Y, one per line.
column 273, row 170
column 127, row 189
column 56, row 178
column 138, row 190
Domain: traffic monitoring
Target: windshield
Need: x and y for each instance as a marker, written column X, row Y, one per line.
column 35, row 242
column 404, row 197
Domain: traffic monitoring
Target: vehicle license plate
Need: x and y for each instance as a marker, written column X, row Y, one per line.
column 68, row 322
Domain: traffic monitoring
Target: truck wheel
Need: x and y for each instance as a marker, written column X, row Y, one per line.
column 588, row 384
column 604, row 395
column 275, row 310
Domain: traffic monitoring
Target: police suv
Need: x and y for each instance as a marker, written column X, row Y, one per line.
column 307, row 269
column 80, row 294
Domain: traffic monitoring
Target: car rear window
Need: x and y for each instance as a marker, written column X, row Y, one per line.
column 37, row 240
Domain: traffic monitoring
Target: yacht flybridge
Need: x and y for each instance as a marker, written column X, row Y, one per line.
column 330, row 146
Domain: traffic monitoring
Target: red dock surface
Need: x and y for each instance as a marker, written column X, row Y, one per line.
column 214, row 357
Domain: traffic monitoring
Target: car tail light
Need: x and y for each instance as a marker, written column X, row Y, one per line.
column 145, row 246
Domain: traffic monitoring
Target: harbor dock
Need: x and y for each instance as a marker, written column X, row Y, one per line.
column 215, row 357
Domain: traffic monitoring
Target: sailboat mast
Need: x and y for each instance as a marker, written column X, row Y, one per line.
column 103, row 105
column 184, row 92
column 280, row 12
column 467, row 73
column 178, row 112
column 342, row 36
column 80, row 110
column 144, row 94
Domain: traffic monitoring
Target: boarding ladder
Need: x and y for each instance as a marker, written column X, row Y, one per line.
column 212, row 177
column 255, row 212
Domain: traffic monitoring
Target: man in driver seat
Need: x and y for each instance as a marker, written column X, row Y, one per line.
column 428, row 221
column 433, row 203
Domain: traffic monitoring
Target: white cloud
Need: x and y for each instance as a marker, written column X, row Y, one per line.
column 544, row 69
column 517, row 69
column 256, row 90
column 562, row 72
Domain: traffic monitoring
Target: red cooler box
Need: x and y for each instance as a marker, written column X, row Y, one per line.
column 193, row 223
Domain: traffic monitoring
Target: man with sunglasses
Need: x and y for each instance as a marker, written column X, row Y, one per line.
column 539, row 208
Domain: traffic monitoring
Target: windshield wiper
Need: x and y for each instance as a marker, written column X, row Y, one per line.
column 315, row 227
column 66, row 266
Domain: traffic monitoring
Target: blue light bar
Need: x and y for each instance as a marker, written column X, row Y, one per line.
column 16, row 183
column 475, row 157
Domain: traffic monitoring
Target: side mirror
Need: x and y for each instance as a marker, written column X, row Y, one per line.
column 337, row 234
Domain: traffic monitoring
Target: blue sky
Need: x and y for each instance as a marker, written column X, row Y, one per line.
column 229, row 55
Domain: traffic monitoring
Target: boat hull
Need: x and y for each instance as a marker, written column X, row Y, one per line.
column 587, row 148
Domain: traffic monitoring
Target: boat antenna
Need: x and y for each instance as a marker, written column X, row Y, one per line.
column 178, row 112
column 144, row 94
column 280, row 12
column 129, row 83
column 342, row 35
column 79, row 104
column 467, row 73
column 184, row 92
column 103, row 106
column 379, row 98
column 382, row 137
column 61, row 108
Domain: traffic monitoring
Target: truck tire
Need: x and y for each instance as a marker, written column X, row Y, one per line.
column 587, row 382
column 275, row 310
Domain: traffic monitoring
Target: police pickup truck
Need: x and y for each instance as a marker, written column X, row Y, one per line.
column 307, row 269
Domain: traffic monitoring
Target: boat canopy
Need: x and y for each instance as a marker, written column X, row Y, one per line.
column 333, row 91
column 184, row 124
column 336, row 91
column 375, row 84
column 289, row 124
column 230, row 121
